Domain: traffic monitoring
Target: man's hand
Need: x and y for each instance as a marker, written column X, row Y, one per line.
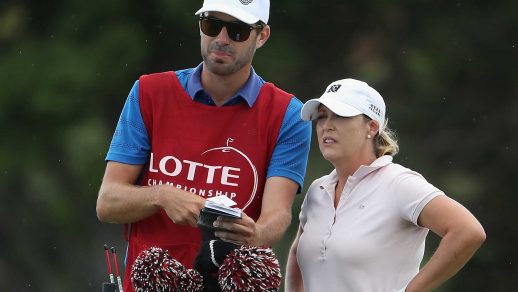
column 241, row 231
column 181, row 206
column 275, row 217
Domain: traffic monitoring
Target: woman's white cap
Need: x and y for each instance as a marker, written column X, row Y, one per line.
column 348, row 98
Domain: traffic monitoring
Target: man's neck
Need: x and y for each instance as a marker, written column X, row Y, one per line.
column 222, row 87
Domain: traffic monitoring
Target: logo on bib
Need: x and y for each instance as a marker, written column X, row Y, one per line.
column 217, row 179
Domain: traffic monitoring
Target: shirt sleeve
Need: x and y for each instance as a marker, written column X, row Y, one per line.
column 413, row 193
column 290, row 154
column 130, row 142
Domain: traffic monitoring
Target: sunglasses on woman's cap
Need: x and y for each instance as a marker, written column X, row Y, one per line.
column 237, row 31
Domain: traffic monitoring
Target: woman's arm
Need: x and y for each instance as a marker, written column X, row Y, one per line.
column 293, row 282
column 461, row 235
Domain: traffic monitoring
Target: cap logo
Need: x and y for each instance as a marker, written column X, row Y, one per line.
column 375, row 110
column 334, row 88
column 246, row 2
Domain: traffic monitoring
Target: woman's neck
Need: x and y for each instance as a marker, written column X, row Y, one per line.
column 347, row 167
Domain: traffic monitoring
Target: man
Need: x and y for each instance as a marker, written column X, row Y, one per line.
column 217, row 129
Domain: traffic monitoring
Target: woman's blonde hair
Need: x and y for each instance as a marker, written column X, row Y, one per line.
column 385, row 142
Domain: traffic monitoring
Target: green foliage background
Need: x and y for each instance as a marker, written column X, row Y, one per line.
column 447, row 70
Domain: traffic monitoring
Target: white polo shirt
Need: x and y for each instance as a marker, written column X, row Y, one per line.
column 371, row 241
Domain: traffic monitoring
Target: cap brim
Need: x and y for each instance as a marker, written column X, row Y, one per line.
column 310, row 108
column 230, row 10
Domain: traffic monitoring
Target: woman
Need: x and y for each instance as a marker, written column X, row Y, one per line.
column 363, row 226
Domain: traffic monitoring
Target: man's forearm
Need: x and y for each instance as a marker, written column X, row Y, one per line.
column 272, row 226
column 275, row 218
column 121, row 203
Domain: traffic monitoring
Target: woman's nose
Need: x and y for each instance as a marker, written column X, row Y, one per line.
column 327, row 124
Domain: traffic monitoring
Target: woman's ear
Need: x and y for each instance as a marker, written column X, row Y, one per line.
column 373, row 128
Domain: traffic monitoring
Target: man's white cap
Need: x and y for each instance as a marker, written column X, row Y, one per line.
column 248, row 11
column 348, row 98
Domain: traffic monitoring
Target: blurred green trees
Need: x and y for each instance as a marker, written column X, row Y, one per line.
column 448, row 72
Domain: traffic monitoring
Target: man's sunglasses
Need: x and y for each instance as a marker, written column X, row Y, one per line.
column 237, row 31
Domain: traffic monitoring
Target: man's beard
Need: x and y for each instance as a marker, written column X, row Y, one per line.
column 218, row 67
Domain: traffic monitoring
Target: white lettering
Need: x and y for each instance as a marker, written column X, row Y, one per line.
column 226, row 174
column 194, row 190
column 210, row 173
column 151, row 169
column 192, row 168
column 163, row 162
column 229, row 175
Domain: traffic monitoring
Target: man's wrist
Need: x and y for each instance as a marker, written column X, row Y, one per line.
column 158, row 197
column 258, row 239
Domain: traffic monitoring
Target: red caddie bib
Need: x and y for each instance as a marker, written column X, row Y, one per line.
column 206, row 150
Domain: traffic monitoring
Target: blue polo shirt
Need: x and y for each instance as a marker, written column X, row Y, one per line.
column 130, row 143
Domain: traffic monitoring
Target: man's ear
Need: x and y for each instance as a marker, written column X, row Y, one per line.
column 263, row 36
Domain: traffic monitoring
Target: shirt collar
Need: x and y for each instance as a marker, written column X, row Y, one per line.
column 361, row 172
column 248, row 92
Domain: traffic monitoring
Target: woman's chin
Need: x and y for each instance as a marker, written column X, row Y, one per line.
column 329, row 156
